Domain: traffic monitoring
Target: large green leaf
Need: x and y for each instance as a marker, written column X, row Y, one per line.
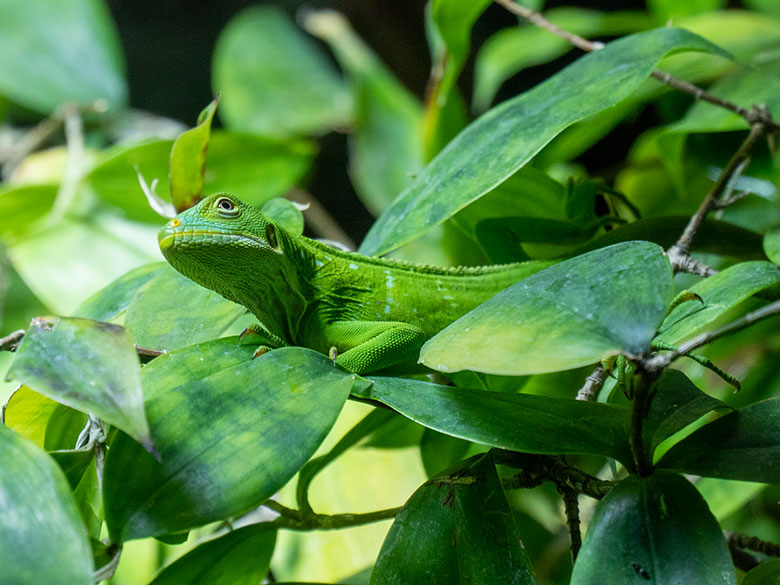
column 42, row 537
column 88, row 365
column 511, row 50
column 254, row 168
column 274, row 80
column 441, row 536
column 720, row 293
column 743, row 445
column 69, row 261
column 230, row 431
column 655, row 530
column 21, row 205
column 506, row 137
column 112, row 300
column 241, row 557
column 387, row 117
column 767, row 573
column 518, row 422
column 54, row 52
column 170, row 312
column 572, row 314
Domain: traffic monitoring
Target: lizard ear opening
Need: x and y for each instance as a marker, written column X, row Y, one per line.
column 270, row 235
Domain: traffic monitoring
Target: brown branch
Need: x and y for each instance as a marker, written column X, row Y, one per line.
column 572, row 511
column 741, row 541
column 680, row 252
column 11, row 341
column 593, row 384
column 697, row 92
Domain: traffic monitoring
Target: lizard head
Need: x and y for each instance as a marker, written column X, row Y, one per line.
column 230, row 247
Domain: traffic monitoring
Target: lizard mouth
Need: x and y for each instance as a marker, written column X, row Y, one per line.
column 172, row 235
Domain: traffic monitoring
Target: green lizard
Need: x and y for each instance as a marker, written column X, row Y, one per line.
column 367, row 313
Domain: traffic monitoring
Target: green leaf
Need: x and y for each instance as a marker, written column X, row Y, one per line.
column 655, row 530
column 57, row 52
column 112, row 300
column 240, row 557
column 676, row 403
column 767, row 573
column 253, row 167
column 518, row 422
column 671, row 9
column 160, row 316
column 27, row 412
column 275, row 80
column 64, row 264
column 188, row 161
column 88, row 365
column 572, row 314
column 511, row 50
column 285, row 213
column 20, row 206
column 387, row 116
column 743, row 445
column 720, row 293
column 441, row 536
column 42, row 537
column 504, row 139
column 230, row 430
column 772, row 245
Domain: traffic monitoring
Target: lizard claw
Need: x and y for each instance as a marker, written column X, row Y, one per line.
column 260, row 351
column 333, row 353
column 249, row 334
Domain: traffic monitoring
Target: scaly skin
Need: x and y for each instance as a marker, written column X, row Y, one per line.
column 372, row 313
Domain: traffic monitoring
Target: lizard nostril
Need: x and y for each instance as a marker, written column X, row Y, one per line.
column 174, row 223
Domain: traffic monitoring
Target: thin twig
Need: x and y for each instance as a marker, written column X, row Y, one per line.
column 697, row 92
column 11, row 341
column 593, row 384
column 658, row 361
column 681, row 250
column 753, row 543
column 295, row 520
column 536, row 469
column 105, row 572
column 572, row 511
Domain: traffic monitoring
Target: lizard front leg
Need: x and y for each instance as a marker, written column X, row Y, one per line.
column 264, row 340
column 369, row 346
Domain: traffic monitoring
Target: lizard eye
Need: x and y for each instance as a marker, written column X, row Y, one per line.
column 226, row 208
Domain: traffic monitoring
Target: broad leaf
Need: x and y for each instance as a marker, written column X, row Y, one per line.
column 57, row 52
column 188, row 161
column 64, row 264
column 441, row 536
column 504, row 139
column 285, row 213
column 572, row 314
column 112, row 300
column 518, row 422
column 88, row 365
column 275, row 81
column 42, row 537
column 767, row 573
column 240, row 557
column 160, row 316
column 720, row 293
column 743, row 445
column 230, row 431
column 642, row 533
column 511, row 50
column 20, row 206
column 772, row 245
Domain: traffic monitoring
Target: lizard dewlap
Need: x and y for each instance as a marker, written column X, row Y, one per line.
column 371, row 313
